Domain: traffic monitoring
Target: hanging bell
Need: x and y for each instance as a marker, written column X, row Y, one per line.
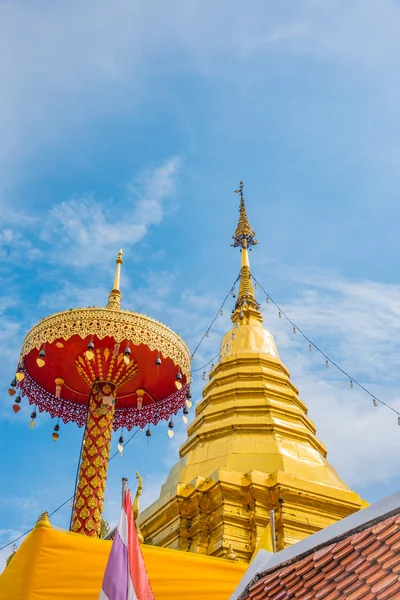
column 16, row 406
column 207, row 333
column 267, row 300
column 55, row 434
column 185, row 410
column 171, row 429
column 221, row 312
column 374, row 402
column 127, row 353
column 148, row 432
column 280, row 314
column 120, row 445
column 309, row 347
column 294, row 330
column 90, row 350
column 327, row 364
column 204, row 375
column 351, row 383
column 40, row 359
column 178, row 380
column 32, row 421
column 158, row 360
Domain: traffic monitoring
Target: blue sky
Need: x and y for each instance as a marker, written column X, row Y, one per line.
column 130, row 124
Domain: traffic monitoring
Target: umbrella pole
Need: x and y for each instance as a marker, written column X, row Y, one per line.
column 89, row 496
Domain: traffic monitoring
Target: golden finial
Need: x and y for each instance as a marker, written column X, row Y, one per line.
column 43, row 520
column 244, row 237
column 230, row 554
column 244, row 234
column 9, row 559
column 114, row 298
column 136, row 508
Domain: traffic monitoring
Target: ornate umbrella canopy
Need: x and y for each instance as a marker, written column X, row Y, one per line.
column 145, row 364
column 104, row 368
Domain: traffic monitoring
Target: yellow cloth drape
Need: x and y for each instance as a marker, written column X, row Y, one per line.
column 59, row 565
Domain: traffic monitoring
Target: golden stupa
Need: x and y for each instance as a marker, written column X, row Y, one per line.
column 250, row 449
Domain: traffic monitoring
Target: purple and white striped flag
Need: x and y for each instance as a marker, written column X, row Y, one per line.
column 126, row 577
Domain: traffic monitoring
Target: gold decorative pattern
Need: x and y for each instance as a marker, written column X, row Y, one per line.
column 103, row 322
column 90, row 526
column 84, row 512
column 93, row 470
column 87, row 491
column 82, row 483
column 104, row 363
column 92, row 503
column 90, row 471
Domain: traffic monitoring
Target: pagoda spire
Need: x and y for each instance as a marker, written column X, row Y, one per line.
column 114, row 298
column 244, row 237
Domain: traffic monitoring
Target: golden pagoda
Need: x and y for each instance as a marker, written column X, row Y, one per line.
column 250, row 449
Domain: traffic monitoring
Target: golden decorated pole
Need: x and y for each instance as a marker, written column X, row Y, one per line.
column 89, row 496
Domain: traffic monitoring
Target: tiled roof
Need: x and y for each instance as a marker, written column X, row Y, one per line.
column 362, row 566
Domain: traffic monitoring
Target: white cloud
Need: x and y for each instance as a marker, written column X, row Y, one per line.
column 356, row 324
column 90, row 230
column 67, row 64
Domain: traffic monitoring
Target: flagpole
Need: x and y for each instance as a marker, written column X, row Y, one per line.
column 124, row 488
column 272, row 521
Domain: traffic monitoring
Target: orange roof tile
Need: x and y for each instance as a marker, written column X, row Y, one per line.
column 364, row 565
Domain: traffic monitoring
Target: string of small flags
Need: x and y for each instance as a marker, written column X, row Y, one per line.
column 220, row 312
column 296, row 330
column 328, row 361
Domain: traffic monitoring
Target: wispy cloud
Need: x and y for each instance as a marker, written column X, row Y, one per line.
column 90, row 229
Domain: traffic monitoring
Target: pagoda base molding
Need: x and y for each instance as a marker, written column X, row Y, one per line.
column 206, row 516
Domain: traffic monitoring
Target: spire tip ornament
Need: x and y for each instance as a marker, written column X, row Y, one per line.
column 114, row 298
column 244, row 237
column 244, row 234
